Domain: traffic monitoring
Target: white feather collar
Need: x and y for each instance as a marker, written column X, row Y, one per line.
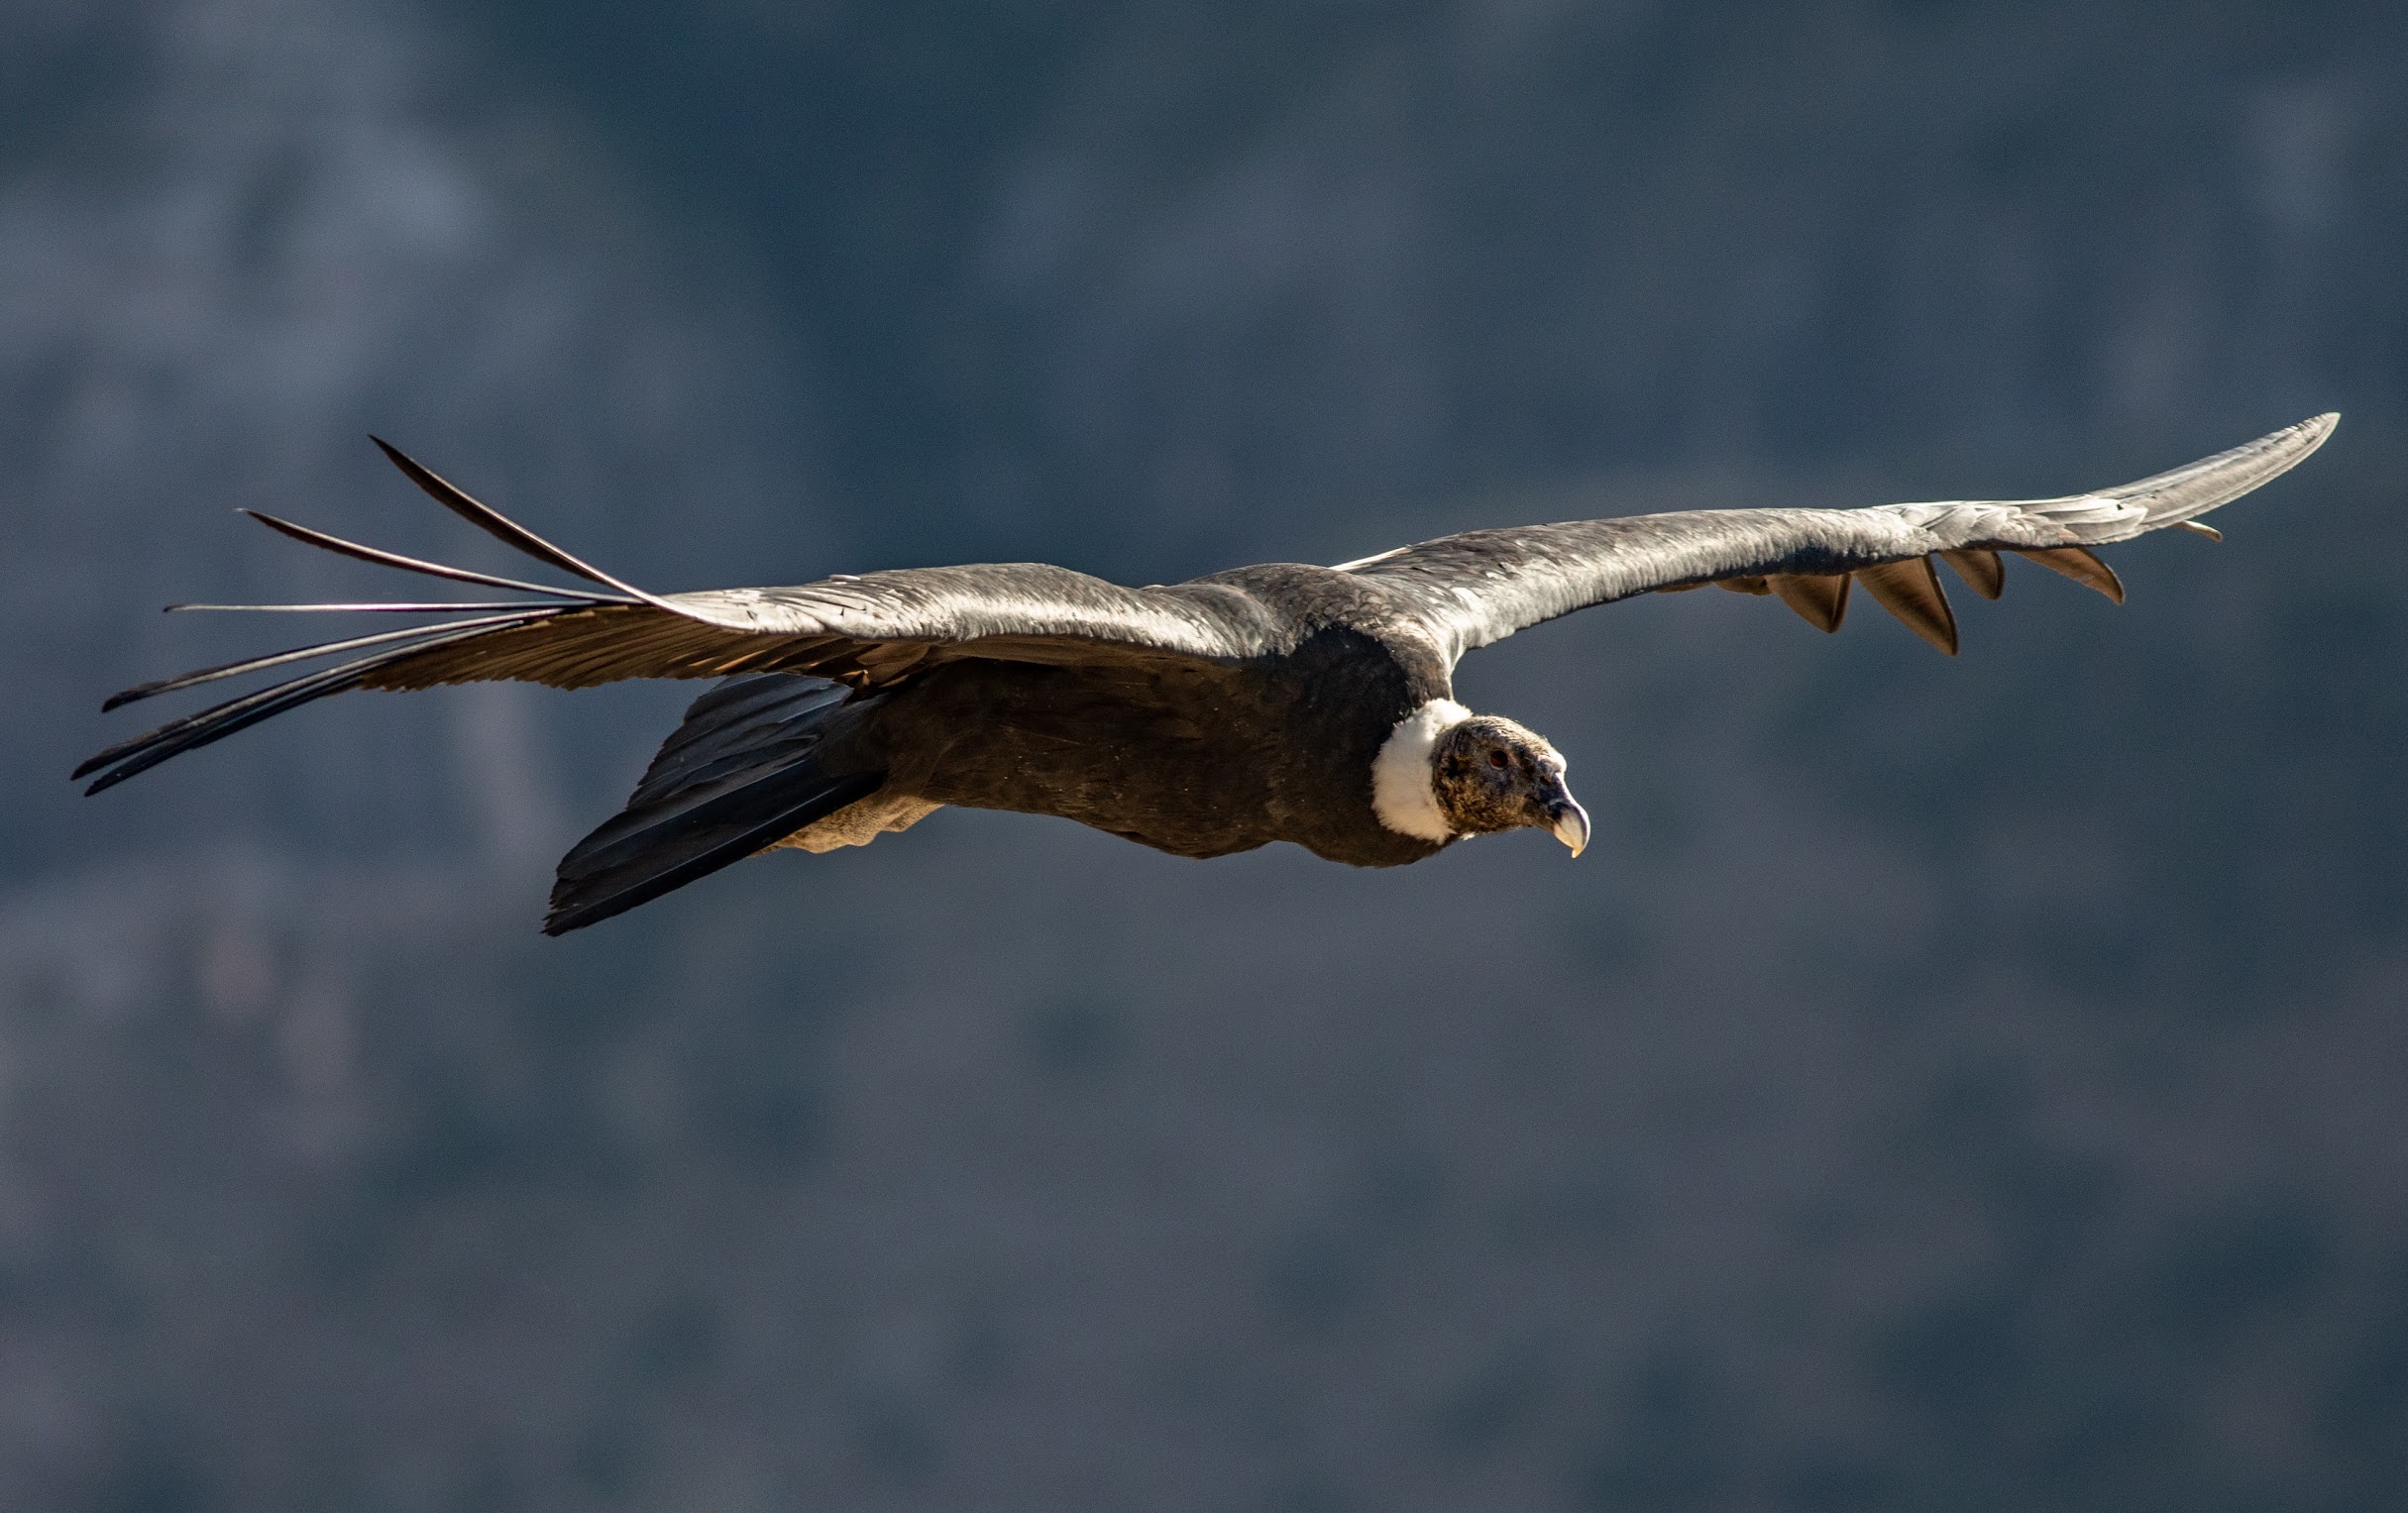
column 1401, row 794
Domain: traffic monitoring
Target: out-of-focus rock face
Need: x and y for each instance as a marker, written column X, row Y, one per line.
column 238, row 236
column 2033, row 1139
column 1212, row 271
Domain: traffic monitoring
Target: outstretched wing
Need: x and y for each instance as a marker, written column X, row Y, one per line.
column 1484, row 586
column 866, row 630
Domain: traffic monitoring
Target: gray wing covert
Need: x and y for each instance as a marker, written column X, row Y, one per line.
column 867, row 629
column 1480, row 587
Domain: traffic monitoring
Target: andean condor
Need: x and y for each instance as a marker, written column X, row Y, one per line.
column 1273, row 703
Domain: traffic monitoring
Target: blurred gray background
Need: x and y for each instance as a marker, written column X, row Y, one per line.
column 2033, row 1138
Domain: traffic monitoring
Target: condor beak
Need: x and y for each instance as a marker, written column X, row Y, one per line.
column 1572, row 825
column 1565, row 820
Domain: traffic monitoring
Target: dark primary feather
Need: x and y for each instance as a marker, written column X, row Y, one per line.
column 373, row 606
column 1821, row 602
column 1981, row 569
column 177, row 737
column 1911, row 590
column 413, row 633
column 385, row 558
column 2082, row 566
column 508, row 532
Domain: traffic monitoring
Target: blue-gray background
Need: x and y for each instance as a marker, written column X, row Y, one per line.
column 1967, row 1084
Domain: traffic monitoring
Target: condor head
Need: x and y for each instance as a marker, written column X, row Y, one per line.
column 1489, row 774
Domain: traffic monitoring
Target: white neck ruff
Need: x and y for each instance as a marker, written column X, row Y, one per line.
column 1401, row 794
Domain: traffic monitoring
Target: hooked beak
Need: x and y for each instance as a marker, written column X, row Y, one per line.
column 1566, row 819
column 1572, row 825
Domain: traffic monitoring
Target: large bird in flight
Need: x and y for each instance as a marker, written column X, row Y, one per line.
column 1274, row 702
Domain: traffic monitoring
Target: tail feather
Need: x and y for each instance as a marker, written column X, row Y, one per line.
column 746, row 769
column 580, row 899
column 737, row 725
column 737, row 802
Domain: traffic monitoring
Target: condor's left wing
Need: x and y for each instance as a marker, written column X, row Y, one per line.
column 867, row 631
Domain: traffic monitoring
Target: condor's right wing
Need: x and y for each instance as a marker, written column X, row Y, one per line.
column 1481, row 586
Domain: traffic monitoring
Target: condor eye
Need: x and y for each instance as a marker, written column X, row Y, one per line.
column 1497, row 759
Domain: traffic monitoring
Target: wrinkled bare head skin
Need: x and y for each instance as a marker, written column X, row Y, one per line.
column 1489, row 774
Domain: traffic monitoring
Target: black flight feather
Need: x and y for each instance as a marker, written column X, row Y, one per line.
column 385, row 559
column 500, row 526
column 413, row 633
column 218, row 721
column 380, row 607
